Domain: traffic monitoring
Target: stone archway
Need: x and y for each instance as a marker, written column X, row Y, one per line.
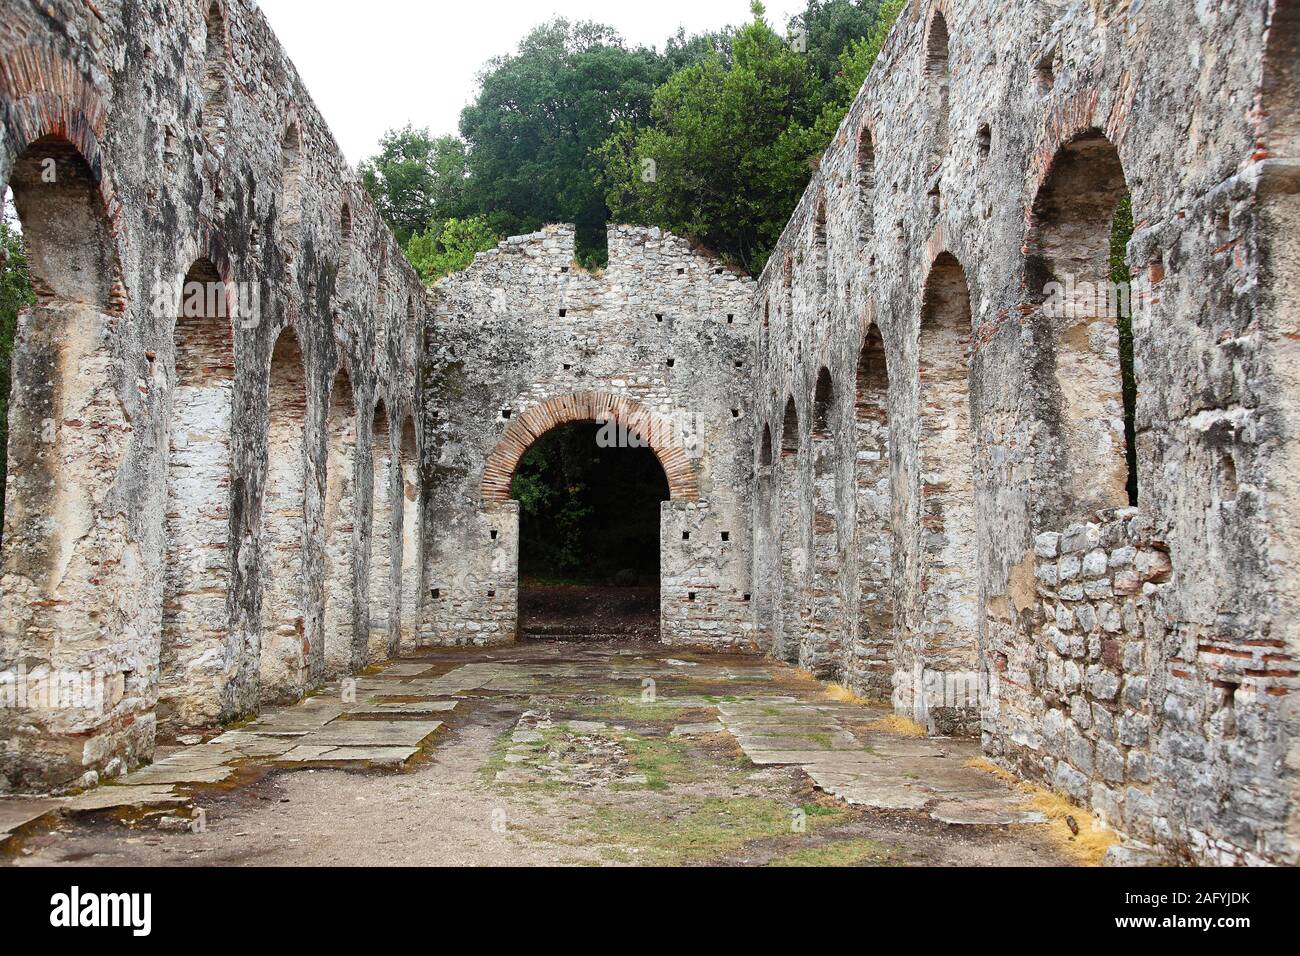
column 657, row 431
column 644, row 428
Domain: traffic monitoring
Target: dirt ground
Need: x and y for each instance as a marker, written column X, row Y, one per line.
column 560, row 759
column 584, row 611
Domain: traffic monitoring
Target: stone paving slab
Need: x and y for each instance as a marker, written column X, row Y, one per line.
column 754, row 705
column 801, row 757
column 757, row 729
column 986, row 812
column 915, row 747
column 17, row 812
column 304, row 717
column 872, row 768
column 369, row 756
column 174, row 775
column 407, row 668
column 373, row 733
column 117, row 796
column 403, row 707
column 811, row 741
column 861, row 790
column 246, row 744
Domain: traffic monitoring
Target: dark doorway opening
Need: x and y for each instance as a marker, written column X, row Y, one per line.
column 589, row 498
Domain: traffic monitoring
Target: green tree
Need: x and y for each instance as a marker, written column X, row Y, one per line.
column 828, row 27
column 540, row 114
column 855, row 62
column 15, row 295
column 416, row 179
column 729, row 150
column 682, row 51
column 448, row 246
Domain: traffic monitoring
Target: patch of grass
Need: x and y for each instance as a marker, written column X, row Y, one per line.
column 496, row 762
column 663, row 760
column 987, row 766
column 897, row 725
column 842, row 694
column 632, row 709
column 796, row 678
column 239, row 723
column 708, row 829
column 1093, row 838
column 855, row 852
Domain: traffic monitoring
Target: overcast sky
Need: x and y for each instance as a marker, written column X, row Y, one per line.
column 372, row 65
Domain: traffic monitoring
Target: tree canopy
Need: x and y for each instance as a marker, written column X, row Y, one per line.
column 714, row 137
column 728, row 149
column 416, row 179
column 540, row 114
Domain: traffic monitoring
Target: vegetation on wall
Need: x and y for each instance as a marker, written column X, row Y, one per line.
column 714, row 136
column 540, row 114
column 449, row 246
column 1120, row 234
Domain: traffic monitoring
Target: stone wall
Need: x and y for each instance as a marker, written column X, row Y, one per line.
column 1072, row 704
column 525, row 340
column 164, row 553
column 1149, row 668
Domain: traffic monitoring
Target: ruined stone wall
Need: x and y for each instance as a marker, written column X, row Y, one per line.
column 525, row 340
column 151, row 547
column 1142, row 661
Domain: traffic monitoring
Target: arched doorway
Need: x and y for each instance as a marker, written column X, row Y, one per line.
column 342, row 655
column 411, row 571
column 381, row 537
column 589, row 535
column 824, row 640
column 630, row 460
column 59, row 376
column 766, row 550
column 284, row 654
column 195, row 627
column 64, row 539
column 875, row 539
column 946, row 639
column 792, row 560
column 1080, row 224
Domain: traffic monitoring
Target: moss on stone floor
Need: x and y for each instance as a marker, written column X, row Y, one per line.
column 699, row 831
column 852, row 852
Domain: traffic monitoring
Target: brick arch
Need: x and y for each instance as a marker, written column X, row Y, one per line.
column 522, row 432
column 49, row 96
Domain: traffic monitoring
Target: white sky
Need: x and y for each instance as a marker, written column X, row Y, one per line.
column 379, row 64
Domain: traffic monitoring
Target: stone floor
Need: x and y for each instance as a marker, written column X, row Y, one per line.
column 554, row 752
